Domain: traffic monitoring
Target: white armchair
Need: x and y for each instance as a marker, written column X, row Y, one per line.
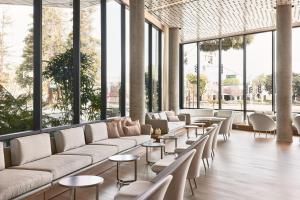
column 262, row 123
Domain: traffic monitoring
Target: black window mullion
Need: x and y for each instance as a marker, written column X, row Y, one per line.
column 159, row 71
column 181, row 77
column 103, row 59
column 220, row 74
column 76, row 60
column 37, row 55
column 123, row 62
column 198, row 75
column 245, row 89
column 150, row 68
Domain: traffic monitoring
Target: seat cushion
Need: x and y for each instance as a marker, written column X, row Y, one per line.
column 133, row 190
column 2, row 161
column 139, row 139
column 176, row 125
column 121, row 143
column 69, row 139
column 58, row 165
column 95, row 132
column 96, row 152
column 15, row 182
column 163, row 163
column 30, row 148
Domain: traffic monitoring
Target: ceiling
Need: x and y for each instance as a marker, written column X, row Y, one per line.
column 203, row 19
column 206, row 19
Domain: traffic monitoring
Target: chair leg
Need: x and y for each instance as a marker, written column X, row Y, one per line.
column 254, row 134
column 224, row 136
column 195, row 182
column 204, row 164
column 207, row 162
column 212, row 155
column 190, row 183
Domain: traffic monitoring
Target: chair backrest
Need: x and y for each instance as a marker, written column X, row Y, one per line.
column 208, row 145
column 225, row 126
column 178, row 169
column 215, row 140
column 262, row 122
column 194, row 170
column 297, row 123
column 158, row 190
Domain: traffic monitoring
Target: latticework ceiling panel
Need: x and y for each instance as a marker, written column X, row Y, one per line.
column 205, row 19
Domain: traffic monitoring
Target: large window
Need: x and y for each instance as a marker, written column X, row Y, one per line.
column 209, row 70
column 57, row 64
column 190, row 75
column 259, row 72
column 16, row 68
column 90, row 41
column 296, row 71
column 113, row 58
column 232, row 73
column 155, row 70
column 73, row 90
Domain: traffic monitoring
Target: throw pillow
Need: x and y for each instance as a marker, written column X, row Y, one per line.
column 120, row 127
column 112, row 129
column 134, row 123
column 155, row 116
column 132, row 130
column 173, row 119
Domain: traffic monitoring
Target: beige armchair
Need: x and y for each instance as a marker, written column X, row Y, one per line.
column 178, row 169
column 207, row 152
column 262, row 123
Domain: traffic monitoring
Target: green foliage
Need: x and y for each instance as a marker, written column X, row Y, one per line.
column 192, row 80
column 14, row 115
column 235, row 42
column 296, row 85
column 60, row 71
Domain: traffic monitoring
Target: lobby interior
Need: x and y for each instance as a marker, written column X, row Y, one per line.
column 182, row 99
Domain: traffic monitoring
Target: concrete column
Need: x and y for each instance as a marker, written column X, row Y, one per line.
column 174, row 69
column 165, row 71
column 137, row 68
column 284, row 72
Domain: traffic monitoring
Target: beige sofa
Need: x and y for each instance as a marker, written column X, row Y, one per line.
column 165, row 121
column 33, row 164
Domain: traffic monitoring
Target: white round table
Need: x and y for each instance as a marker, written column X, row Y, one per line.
column 83, row 181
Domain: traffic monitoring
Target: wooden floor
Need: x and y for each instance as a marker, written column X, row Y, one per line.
column 244, row 168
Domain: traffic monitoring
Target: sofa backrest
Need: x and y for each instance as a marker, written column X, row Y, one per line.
column 30, row 148
column 224, row 113
column 199, row 112
column 95, row 132
column 69, row 139
column 2, row 161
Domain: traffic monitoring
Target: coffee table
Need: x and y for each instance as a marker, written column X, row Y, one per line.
column 74, row 182
column 125, row 158
column 188, row 127
column 170, row 137
column 153, row 145
column 202, row 124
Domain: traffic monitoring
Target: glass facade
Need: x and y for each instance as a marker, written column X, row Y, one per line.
column 101, row 92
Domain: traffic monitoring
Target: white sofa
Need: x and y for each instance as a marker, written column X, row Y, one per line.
column 195, row 115
column 32, row 163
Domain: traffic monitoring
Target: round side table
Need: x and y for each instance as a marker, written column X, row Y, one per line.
column 125, row 158
column 188, row 127
column 74, row 182
column 153, row 145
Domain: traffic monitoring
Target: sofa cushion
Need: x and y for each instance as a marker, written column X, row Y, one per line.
column 121, row 143
column 176, row 125
column 15, row 182
column 170, row 113
column 59, row 165
column 173, row 119
column 30, row 148
column 112, row 130
column 163, row 116
column 2, row 161
column 95, row 132
column 132, row 130
column 140, row 139
column 96, row 152
column 69, row 139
